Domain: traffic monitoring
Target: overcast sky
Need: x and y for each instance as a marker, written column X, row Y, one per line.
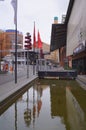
column 40, row 11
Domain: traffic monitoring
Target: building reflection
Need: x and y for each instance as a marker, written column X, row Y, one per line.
column 33, row 108
column 58, row 102
column 16, row 116
column 63, row 104
column 66, row 105
column 75, row 114
column 39, row 101
column 27, row 113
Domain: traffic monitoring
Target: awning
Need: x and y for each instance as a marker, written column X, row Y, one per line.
column 58, row 36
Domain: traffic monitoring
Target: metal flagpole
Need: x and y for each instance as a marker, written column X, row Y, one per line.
column 34, row 45
column 14, row 4
column 15, row 21
column 16, row 51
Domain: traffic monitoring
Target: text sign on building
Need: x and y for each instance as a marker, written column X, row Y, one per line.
column 81, row 47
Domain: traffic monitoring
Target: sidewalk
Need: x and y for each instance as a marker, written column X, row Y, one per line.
column 81, row 79
column 9, row 88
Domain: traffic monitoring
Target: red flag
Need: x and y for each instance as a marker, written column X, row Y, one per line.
column 34, row 38
column 39, row 41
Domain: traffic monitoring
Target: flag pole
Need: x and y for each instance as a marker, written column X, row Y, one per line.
column 34, row 45
column 39, row 47
column 16, row 47
column 14, row 4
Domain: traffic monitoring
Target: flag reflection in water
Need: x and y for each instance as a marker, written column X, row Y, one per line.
column 33, row 108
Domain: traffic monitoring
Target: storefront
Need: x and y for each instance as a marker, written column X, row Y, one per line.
column 79, row 58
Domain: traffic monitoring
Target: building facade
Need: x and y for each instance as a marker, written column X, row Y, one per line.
column 76, row 36
column 11, row 35
column 7, row 41
column 5, row 44
column 71, row 35
column 58, row 40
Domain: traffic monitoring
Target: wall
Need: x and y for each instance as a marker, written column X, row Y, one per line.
column 76, row 30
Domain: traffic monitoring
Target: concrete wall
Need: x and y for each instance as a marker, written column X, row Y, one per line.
column 76, row 31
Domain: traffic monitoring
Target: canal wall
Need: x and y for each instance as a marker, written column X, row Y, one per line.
column 75, row 114
column 9, row 90
column 81, row 79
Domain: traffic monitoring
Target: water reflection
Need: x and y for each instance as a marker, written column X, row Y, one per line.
column 75, row 113
column 32, row 113
column 47, row 105
column 15, row 115
column 27, row 113
column 58, row 102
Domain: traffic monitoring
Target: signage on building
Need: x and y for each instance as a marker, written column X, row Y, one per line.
column 81, row 47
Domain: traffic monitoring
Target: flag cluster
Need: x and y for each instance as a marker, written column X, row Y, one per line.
column 37, row 44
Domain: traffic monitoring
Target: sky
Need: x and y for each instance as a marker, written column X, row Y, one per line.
column 42, row 12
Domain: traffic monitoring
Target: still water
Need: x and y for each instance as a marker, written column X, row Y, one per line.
column 47, row 105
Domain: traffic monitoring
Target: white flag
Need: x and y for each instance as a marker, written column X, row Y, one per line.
column 14, row 4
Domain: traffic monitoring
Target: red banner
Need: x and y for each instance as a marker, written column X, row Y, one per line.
column 39, row 41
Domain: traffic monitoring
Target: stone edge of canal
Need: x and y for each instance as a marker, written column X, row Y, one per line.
column 4, row 105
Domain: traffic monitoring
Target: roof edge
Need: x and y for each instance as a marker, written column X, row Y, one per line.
column 69, row 10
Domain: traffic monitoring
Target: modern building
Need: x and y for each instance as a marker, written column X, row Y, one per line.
column 58, row 41
column 7, row 41
column 11, row 35
column 5, row 44
column 71, row 35
column 76, row 34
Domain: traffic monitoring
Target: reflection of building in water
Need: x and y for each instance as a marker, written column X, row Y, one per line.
column 58, row 101
column 76, row 116
column 27, row 113
column 34, row 105
column 32, row 99
column 39, row 102
column 27, row 116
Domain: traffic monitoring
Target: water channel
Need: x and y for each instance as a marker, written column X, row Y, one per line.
column 47, row 105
